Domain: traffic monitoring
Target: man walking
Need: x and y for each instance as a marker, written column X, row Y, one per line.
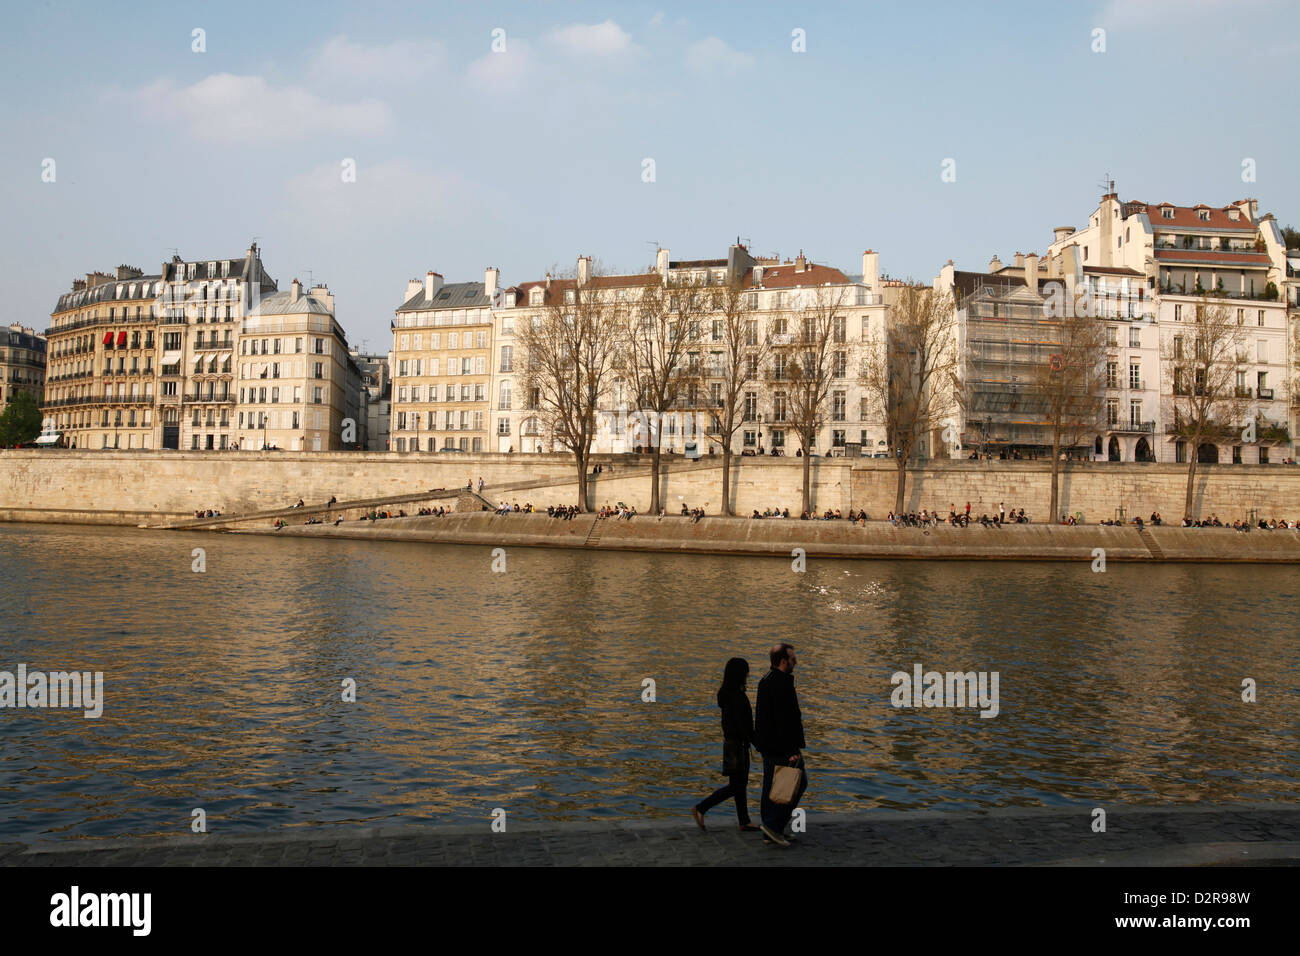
column 778, row 735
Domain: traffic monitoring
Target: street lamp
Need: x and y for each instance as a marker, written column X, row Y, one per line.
column 263, row 431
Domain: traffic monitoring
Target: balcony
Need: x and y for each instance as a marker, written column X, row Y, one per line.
column 1132, row 428
column 1265, row 394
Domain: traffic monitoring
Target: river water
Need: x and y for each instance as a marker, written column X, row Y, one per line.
column 523, row 689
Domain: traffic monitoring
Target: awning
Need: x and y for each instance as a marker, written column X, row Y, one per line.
column 49, row 438
column 171, row 358
column 108, row 338
column 121, row 339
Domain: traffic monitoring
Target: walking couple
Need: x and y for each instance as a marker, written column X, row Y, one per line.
column 777, row 734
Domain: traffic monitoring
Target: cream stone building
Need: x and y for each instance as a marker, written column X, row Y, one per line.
column 297, row 382
column 102, row 353
column 1145, row 268
column 200, row 310
column 442, row 341
column 777, row 295
column 1231, row 255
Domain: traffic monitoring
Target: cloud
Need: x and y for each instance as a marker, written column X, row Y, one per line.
column 712, row 55
column 228, row 108
column 595, row 39
column 399, row 62
column 504, row 72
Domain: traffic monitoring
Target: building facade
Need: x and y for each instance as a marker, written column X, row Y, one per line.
column 1142, row 270
column 200, row 311
column 777, row 296
column 440, row 378
column 297, row 383
column 22, row 363
column 102, row 350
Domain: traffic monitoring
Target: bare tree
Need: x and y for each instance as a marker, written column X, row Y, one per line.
column 662, row 321
column 739, row 352
column 1206, row 404
column 1067, row 386
column 909, row 374
column 570, row 352
column 804, row 360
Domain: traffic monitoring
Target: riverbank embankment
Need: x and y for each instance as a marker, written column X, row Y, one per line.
column 825, row 539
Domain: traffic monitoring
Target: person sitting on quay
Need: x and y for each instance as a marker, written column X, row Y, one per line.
column 1155, row 518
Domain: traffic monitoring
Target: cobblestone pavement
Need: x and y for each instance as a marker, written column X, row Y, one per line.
column 1178, row 836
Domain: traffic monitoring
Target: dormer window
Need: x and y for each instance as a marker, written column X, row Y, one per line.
column 1203, row 215
column 510, row 300
column 1234, row 215
column 568, row 296
column 1166, row 212
column 535, row 297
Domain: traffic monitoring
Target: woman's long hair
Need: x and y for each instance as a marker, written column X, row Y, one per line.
column 733, row 678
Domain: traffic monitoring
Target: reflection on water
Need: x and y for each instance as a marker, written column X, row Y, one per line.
column 523, row 690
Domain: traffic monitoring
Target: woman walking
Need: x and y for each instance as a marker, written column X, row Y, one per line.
column 737, row 735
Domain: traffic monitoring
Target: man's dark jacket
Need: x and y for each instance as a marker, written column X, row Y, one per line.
column 778, row 725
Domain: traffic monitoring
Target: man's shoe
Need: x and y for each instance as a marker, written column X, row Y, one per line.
column 699, row 817
column 773, row 836
column 748, row 828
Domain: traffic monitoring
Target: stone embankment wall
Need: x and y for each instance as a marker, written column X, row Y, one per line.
column 149, row 486
column 780, row 538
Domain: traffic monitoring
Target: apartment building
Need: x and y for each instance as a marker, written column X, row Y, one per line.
column 102, row 354
column 22, row 363
column 1230, row 256
column 440, row 378
column 778, row 294
column 200, row 310
column 297, row 381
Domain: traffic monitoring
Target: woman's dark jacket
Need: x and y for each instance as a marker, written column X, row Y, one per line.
column 737, row 732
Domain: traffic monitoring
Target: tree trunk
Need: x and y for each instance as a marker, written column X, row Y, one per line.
column 807, row 481
column 1192, row 456
column 1056, row 475
column 582, row 480
column 900, row 491
column 654, row 478
column 726, row 479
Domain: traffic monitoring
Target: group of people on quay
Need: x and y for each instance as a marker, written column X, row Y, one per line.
column 563, row 512
column 626, row 512
column 209, row 513
column 506, row 508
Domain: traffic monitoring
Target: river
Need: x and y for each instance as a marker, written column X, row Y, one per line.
column 523, row 689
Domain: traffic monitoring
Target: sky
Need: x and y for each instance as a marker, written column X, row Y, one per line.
column 363, row 144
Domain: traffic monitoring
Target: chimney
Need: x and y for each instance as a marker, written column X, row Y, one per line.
column 548, row 282
column 1020, row 260
column 661, row 262
column 1062, row 232
column 584, row 270
column 995, row 264
column 871, row 270
column 800, row 263
column 295, row 291
column 1031, row 272
column 490, row 278
column 413, row 287
column 432, row 283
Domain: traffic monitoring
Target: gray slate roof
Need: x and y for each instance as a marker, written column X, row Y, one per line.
column 279, row 303
column 454, row 295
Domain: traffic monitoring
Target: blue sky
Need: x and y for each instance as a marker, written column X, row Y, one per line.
column 527, row 158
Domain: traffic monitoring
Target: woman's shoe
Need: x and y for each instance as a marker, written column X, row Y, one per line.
column 699, row 817
column 748, row 828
